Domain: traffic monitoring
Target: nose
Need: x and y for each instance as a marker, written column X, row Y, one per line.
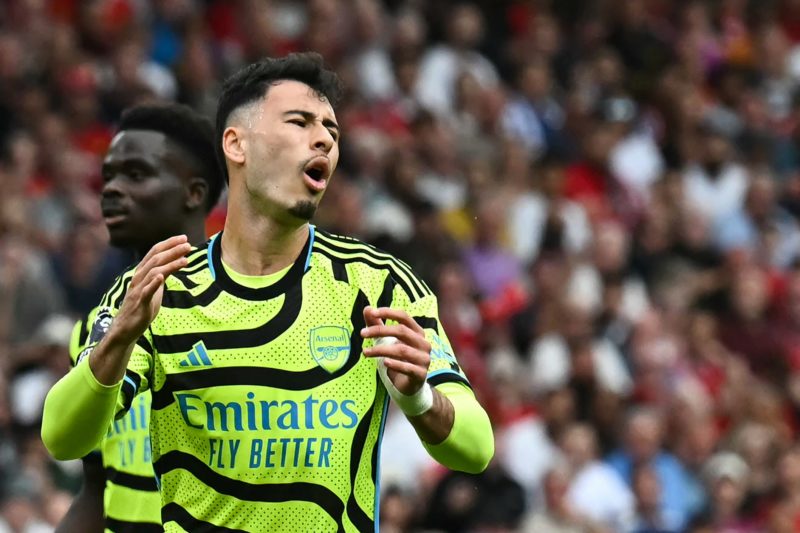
column 322, row 139
column 111, row 187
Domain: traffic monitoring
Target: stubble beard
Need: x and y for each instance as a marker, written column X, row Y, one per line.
column 303, row 210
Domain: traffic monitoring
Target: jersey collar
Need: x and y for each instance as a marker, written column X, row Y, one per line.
column 300, row 266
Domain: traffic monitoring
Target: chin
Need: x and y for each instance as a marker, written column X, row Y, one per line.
column 119, row 238
column 304, row 210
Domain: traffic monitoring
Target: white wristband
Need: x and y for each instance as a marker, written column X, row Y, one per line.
column 411, row 404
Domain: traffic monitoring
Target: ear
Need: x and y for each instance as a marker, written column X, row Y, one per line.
column 197, row 193
column 234, row 145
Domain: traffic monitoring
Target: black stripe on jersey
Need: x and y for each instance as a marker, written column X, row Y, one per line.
column 384, row 403
column 83, row 332
column 289, row 280
column 356, row 514
column 132, row 481
column 196, row 258
column 172, row 512
column 410, row 282
column 129, row 390
column 144, row 344
column 238, row 338
column 118, row 301
column 184, row 279
column 187, row 300
column 334, row 242
column 108, row 297
column 362, row 259
column 320, row 495
column 122, row 526
column 448, row 377
column 261, row 376
column 427, row 322
column 397, row 267
column 339, row 271
column 385, row 299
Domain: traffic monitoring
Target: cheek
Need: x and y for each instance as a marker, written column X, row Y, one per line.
column 159, row 198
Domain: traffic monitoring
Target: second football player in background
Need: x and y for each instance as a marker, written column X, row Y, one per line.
column 160, row 179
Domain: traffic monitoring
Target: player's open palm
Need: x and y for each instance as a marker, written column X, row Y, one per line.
column 407, row 356
column 143, row 299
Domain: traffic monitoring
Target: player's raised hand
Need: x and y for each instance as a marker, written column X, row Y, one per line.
column 143, row 299
column 406, row 360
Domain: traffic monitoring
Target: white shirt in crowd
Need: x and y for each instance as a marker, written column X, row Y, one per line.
column 527, row 217
column 551, row 365
column 598, row 492
column 716, row 198
column 526, row 452
column 439, row 70
column 637, row 162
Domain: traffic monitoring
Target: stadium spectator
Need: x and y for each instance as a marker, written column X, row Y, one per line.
column 644, row 155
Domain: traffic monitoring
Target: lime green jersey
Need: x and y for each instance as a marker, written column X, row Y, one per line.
column 265, row 415
column 131, row 502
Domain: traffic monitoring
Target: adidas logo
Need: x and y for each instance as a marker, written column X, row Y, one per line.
column 198, row 356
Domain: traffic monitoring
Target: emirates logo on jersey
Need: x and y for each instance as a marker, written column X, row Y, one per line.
column 330, row 346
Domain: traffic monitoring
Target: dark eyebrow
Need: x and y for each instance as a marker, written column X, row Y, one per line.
column 308, row 115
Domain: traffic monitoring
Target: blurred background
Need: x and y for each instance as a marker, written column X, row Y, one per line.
column 603, row 194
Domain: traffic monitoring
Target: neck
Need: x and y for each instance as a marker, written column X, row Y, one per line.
column 257, row 245
column 195, row 231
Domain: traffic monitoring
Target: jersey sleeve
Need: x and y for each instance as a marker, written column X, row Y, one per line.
column 80, row 336
column 469, row 447
column 444, row 367
column 75, row 342
column 78, row 408
column 136, row 379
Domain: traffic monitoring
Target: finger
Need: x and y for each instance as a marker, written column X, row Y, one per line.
column 161, row 258
column 166, row 256
column 398, row 351
column 399, row 316
column 170, row 268
column 166, row 244
column 151, row 287
column 400, row 331
column 406, row 368
column 370, row 317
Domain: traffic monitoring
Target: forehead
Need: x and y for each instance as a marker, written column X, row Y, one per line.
column 289, row 95
column 145, row 144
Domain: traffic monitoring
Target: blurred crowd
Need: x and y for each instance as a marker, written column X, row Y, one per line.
column 604, row 194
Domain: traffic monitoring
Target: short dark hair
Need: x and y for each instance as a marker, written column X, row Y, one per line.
column 187, row 128
column 252, row 82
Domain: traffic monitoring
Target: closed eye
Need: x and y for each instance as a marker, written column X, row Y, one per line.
column 298, row 122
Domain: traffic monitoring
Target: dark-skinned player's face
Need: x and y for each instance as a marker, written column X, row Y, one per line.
column 144, row 189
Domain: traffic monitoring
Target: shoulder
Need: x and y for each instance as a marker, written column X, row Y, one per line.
column 197, row 262
column 197, row 271
column 360, row 263
column 114, row 295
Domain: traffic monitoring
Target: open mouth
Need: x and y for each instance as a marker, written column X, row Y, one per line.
column 316, row 173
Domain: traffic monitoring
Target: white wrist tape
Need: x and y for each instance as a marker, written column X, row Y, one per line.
column 411, row 405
